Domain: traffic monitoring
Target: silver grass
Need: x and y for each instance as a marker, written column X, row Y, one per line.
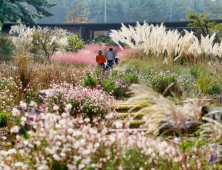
column 157, row 40
column 163, row 106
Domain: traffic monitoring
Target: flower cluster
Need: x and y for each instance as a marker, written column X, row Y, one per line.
column 82, row 101
column 160, row 80
column 67, row 142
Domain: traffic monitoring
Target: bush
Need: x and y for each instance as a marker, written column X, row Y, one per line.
column 101, row 40
column 204, row 83
column 215, row 89
column 85, row 102
column 74, row 43
column 159, row 83
column 6, row 49
column 116, row 82
column 89, row 81
column 108, row 85
column 44, row 41
column 4, row 118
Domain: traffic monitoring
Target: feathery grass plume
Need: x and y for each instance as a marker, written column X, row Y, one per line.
column 158, row 41
column 162, row 106
column 23, row 36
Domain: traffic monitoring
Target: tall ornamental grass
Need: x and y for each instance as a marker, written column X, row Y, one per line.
column 158, row 41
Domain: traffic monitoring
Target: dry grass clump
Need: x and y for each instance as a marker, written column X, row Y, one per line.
column 163, row 106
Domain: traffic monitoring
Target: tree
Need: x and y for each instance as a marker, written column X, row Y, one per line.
column 79, row 14
column 205, row 27
column 213, row 8
column 18, row 11
column 201, row 22
column 59, row 12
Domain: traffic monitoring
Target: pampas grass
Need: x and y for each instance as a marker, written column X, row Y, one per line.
column 163, row 106
column 158, row 41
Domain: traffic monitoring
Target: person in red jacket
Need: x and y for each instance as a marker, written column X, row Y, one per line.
column 101, row 59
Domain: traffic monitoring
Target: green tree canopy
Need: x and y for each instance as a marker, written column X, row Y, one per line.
column 140, row 10
column 18, row 11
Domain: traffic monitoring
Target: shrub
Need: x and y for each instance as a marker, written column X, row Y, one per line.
column 215, row 89
column 204, row 83
column 6, row 49
column 4, row 118
column 116, row 82
column 37, row 38
column 85, row 102
column 101, row 40
column 74, row 43
column 89, row 81
column 159, row 83
column 108, row 85
column 44, row 41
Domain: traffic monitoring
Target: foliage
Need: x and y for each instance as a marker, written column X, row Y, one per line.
column 89, row 81
column 215, row 89
column 143, row 10
column 204, row 83
column 16, row 11
column 128, row 10
column 216, row 28
column 7, row 49
column 205, row 80
column 84, row 146
column 79, row 14
column 116, row 82
column 44, row 41
column 160, row 83
column 74, row 43
column 37, row 38
column 85, row 102
column 204, row 26
column 4, row 118
column 100, row 40
column 201, row 22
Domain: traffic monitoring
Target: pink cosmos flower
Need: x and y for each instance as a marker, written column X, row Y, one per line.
column 15, row 129
column 23, row 105
column 34, row 104
column 15, row 112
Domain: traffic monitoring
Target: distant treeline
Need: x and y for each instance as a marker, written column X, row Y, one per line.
column 139, row 10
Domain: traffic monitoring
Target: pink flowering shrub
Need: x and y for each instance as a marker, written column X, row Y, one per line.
column 88, row 54
column 64, row 142
column 82, row 101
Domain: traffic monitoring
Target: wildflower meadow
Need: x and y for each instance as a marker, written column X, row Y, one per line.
column 159, row 108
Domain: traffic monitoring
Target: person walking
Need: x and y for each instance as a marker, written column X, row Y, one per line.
column 110, row 57
column 100, row 59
